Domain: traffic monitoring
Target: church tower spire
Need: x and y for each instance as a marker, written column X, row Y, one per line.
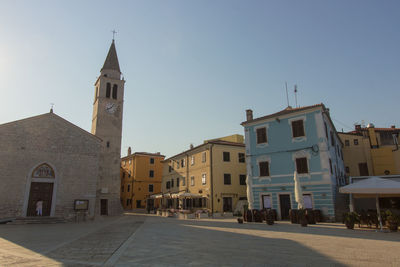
column 107, row 125
column 111, row 62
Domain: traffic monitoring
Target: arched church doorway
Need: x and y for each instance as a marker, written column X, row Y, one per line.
column 41, row 189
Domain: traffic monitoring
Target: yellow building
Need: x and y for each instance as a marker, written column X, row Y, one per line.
column 371, row 151
column 210, row 176
column 141, row 176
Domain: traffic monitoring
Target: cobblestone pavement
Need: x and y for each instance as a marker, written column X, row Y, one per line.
column 148, row 240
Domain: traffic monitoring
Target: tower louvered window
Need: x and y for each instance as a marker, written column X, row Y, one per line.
column 115, row 91
column 108, row 90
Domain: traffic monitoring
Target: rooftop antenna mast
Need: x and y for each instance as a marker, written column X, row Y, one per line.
column 295, row 94
column 287, row 96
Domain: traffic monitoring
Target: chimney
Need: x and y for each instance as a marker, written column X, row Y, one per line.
column 129, row 151
column 249, row 114
column 393, row 126
column 358, row 127
column 191, row 146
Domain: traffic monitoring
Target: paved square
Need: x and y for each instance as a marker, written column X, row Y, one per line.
column 149, row 240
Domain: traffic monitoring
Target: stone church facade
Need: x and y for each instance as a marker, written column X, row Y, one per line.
column 71, row 170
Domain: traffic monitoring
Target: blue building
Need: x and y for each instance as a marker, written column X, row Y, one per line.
column 302, row 139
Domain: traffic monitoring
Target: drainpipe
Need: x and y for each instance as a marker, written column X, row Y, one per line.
column 212, row 182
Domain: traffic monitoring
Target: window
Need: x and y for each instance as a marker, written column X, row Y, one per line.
column 203, row 179
column 172, row 182
column 227, row 156
column 177, row 165
column 122, row 188
column 192, row 160
column 264, row 168
column 123, row 174
column 242, row 179
column 307, row 201
column 363, row 168
column 183, row 181
column 151, row 160
column 192, row 181
column 169, row 168
column 129, row 174
column 151, row 188
column 261, row 135
column 346, row 142
column 301, row 165
column 203, row 157
column 127, row 202
column 108, row 90
column 108, row 143
column 330, row 165
column 298, row 128
column 241, row 157
column 168, row 185
column 347, row 169
column 129, row 188
column 183, row 163
column 355, row 142
column 114, row 93
column 332, row 139
column 266, row 201
column 227, row 178
column 151, row 173
column 177, row 182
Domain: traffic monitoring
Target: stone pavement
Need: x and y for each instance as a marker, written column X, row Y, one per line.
column 149, row 240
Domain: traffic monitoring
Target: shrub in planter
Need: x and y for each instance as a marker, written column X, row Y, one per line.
column 301, row 215
column 293, row 214
column 350, row 218
column 240, row 220
column 269, row 217
column 257, row 215
column 392, row 221
column 310, row 216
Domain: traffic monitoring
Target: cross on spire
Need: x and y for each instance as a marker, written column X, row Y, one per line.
column 114, row 32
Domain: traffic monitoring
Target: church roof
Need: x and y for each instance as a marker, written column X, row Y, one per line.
column 111, row 62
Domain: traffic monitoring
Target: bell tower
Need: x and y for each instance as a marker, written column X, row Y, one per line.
column 107, row 125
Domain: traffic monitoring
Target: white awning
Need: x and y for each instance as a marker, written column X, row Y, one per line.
column 374, row 185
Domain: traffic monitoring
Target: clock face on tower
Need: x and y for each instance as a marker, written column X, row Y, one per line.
column 111, row 107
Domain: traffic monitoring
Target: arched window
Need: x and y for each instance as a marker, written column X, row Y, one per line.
column 43, row 171
column 115, row 90
column 108, row 90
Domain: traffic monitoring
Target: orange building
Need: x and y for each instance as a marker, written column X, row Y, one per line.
column 141, row 176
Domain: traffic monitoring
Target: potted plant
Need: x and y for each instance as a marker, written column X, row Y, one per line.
column 269, row 217
column 302, row 219
column 350, row 218
column 392, row 221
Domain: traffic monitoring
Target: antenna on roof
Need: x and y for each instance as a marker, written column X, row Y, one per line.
column 287, row 96
column 295, row 94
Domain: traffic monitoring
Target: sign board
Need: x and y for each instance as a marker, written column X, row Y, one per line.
column 81, row 204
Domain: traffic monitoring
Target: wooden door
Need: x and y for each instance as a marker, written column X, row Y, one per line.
column 43, row 191
column 227, row 204
column 284, row 201
column 103, row 206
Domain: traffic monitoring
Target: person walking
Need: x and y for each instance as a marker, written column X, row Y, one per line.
column 39, row 207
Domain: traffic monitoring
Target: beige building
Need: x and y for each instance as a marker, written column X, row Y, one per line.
column 141, row 175
column 210, row 176
column 371, row 151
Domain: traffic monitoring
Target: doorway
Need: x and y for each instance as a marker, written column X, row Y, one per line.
column 103, row 206
column 227, row 204
column 284, row 201
column 44, row 192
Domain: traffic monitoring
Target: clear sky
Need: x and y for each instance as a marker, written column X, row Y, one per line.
column 193, row 67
